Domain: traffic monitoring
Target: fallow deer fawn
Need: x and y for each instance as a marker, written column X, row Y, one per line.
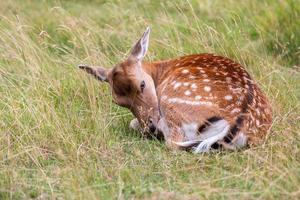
column 198, row 101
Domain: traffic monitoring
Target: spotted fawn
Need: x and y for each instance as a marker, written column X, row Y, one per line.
column 201, row 102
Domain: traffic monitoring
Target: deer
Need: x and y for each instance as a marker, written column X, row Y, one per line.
column 202, row 102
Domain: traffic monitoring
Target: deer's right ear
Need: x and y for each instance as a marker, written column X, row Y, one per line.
column 99, row 73
column 139, row 50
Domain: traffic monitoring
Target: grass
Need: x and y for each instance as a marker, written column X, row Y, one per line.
column 62, row 138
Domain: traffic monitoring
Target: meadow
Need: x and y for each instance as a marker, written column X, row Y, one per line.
column 61, row 137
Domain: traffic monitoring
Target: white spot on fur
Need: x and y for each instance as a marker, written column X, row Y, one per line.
column 192, row 77
column 228, row 79
column 187, row 93
column 186, row 83
column 164, row 97
column 251, row 116
column 225, row 73
column 194, row 86
column 257, row 122
column 235, row 110
column 198, row 97
column 228, row 97
column 246, row 79
column 192, row 103
column 177, row 85
column 185, row 71
column 238, row 103
column 206, row 80
column 257, row 111
column 207, row 88
column 177, row 64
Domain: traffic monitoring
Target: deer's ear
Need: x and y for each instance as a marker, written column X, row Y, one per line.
column 139, row 50
column 99, row 73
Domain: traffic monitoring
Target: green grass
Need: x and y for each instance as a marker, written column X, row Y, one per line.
column 62, row 138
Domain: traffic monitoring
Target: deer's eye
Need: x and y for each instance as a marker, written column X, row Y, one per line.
column 143, row 85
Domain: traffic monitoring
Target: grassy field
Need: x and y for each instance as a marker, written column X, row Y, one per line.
column 62, row 138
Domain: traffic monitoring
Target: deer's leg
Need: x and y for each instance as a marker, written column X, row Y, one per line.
column 171, row 135
column 135, row 124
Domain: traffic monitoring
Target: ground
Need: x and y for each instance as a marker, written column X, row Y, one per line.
column 62, row 138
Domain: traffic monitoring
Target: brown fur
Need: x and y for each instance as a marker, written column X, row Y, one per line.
column 197, row 90
column 224, row 77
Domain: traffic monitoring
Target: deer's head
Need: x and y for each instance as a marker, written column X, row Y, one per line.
column 132, row 87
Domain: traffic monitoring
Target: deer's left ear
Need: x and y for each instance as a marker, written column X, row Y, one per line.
column 99, row 73
column 139, row 50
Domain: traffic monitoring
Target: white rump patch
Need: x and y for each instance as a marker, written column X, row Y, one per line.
column 215, row 132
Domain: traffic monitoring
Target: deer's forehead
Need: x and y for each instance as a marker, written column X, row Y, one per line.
column 127, row 68
column 123, row 76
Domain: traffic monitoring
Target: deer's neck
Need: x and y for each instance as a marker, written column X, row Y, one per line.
column 157, row 70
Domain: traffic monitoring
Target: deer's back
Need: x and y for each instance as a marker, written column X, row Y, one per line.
column 204, row 86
